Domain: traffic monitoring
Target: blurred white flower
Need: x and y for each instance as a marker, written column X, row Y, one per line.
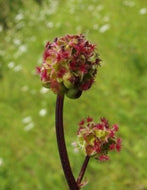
column 50, row 24
column 104, row 28
column 19, row 17
column 2, row 53
column 29, row 126
column 1, row 162
column 20, row 25
column 33, row 38
column 106, row 18
column 129, row 3
column 95, row 26
column 27, row 119
column 76, row 150
column 143, row 11
column 16, row 41
column 42, row 112
column 25, row 88
column 44, row 90
column 72, row 10
column 17, row 68
column 99, row 7
column 91, row 8
column 74, row 144
column 1, row 28
column 11, row 65
column 23, row 48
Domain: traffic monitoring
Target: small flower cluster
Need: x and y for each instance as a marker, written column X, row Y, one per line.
column 69, row 65
column 97, row 139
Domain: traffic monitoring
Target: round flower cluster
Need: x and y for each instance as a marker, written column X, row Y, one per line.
column 69, row 65
column 97, row 139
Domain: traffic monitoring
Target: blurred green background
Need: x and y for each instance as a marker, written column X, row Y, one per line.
column 29, row 158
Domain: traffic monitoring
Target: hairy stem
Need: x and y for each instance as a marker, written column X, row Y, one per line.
column 83, row 169
column 62, row 146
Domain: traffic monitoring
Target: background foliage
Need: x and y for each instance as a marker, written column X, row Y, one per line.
column 28, row 151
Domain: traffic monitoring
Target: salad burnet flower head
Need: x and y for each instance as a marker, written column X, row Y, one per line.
column 97, row 139
column 69, row 65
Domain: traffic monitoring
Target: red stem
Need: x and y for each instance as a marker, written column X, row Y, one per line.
column 62, row 146
column 83, row 169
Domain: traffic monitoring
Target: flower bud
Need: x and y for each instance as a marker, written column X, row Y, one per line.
column 73, row 93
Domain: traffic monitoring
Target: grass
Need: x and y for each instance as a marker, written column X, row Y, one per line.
column 29, row 157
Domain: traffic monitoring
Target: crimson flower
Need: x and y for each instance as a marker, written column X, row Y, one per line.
column 97, row 139
column 69, row 65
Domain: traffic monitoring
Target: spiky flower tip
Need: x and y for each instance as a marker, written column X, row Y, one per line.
column 97, row 139
column 69, row 65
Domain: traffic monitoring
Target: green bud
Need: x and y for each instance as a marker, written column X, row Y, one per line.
column 73, row 93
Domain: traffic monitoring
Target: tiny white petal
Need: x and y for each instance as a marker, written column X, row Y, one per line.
column 143, row 11
column 1, row 162
column 100, row 7
column 1, row 28
column 74, row 144
column 42, row 112
column 104, row 28
column 29, row 126
column 50, row 24
column 95, row 26
column 16, row 41
column 76, row 150
column 44, row 90
column 106, row 18
column 11, row 65
column 19, row 17
column 27, row 119
column 23, row 48
column 17, row 68
column 25, row 88
column 129, row 3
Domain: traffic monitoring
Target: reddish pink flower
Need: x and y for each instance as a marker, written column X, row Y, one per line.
column 112, row 146
column 72, row 62
column 44, row 76
column 100, row 126
column 115, row 127
column 118, row 144
column 111, row 134
column 89, row 119
column 105, row 122
column 82, row 68
column 82, row 122
column 96, row 139
column 38, row 70
column 61, row 72
column 103, row 158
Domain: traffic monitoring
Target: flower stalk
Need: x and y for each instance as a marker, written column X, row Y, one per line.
column 62, row 146
column 83, row 169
